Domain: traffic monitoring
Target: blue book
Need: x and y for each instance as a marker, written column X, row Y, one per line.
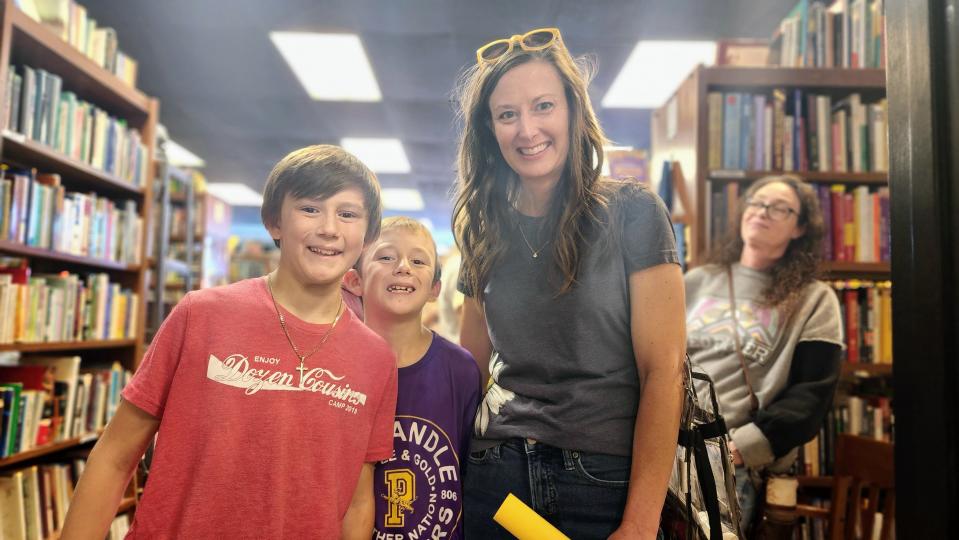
column 798, row 144
column 732, row 120
column 746, row 132
column 759, row 133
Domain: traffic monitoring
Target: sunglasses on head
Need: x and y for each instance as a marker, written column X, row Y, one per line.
column 534, row 40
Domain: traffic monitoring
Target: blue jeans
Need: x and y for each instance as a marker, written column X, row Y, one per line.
column 746, row 490
column 582, row 494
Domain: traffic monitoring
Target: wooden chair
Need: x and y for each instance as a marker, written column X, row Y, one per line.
column 864, row 478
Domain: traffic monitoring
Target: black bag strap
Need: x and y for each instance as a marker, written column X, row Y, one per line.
column 708, row 484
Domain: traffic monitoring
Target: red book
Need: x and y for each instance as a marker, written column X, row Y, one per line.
column 851, row 300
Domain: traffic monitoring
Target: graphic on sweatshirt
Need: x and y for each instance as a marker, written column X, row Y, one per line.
column 236, row 371
column 709, row 324
column 420, row 483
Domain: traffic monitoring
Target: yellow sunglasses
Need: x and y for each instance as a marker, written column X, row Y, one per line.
column 534, row 40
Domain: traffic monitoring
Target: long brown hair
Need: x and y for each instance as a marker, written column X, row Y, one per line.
column 800, row 263
column 488, row 188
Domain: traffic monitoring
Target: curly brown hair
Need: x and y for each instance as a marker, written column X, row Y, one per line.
column 799, row 265
column 488, row 187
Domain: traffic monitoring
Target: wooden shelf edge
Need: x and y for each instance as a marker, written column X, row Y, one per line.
column 50, row 448
column 801, row 77
column 33, row 150
column 15, row 248
column 857, row 268
column 852, row 368
column 831, row 177
column 44, row 37
column 54, row 346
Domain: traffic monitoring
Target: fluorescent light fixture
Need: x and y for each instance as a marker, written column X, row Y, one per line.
column 381, row 155
column 654, row 70
column 402, row 199
column 179, row 156
column 235, row 193
column 331, row 67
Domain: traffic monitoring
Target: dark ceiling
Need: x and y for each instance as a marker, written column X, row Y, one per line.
column 226, row 93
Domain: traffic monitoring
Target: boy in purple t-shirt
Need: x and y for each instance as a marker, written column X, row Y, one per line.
column 418, row 491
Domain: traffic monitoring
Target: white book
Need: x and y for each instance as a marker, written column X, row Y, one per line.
column 65, row 369
column 768, row 138
column 824, row 125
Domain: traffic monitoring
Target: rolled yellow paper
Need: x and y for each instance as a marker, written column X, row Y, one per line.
column 524, row 523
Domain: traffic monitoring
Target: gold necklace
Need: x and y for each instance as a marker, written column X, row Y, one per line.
column 302, row 357
column 535, row 252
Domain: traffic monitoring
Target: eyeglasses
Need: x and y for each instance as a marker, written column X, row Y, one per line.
column 534, row 40
column 777, row 212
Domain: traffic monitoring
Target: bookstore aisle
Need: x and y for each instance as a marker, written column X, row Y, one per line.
column 105, row 225
column 77, row 171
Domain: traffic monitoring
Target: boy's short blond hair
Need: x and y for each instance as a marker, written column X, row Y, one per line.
column 404, row 223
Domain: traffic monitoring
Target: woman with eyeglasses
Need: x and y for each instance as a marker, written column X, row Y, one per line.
column 774, row 356
column 572, row 279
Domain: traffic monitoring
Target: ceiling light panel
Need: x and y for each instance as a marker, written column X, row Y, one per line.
column 654, row 70
column 331, row 67
column 380, row 155
column 402, row 199
column 235, row 193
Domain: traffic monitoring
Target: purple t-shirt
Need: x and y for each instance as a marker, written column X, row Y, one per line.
column 419, row 490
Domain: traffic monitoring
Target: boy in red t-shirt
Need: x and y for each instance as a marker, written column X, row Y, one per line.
column 271, row 401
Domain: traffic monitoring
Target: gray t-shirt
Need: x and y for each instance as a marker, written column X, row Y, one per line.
column 564, row 372
column 768, row 341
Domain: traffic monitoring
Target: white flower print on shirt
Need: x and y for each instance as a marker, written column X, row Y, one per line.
column 496, row 396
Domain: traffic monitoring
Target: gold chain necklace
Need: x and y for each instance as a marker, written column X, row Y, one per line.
column 302, row 357
column 535, row 252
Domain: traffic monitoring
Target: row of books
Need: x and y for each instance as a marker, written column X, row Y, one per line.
column 866, row 308
column 856, row 221
column 843, row 33
column 34, row 501
column 865, row 417
column 39, row 108
column 796, row 131
column 62, row 307
column 70, row 21
column 51, row 399
column 37, row 211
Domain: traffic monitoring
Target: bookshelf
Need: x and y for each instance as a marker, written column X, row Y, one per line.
column 680, row 129
column 110, row 168
column 174, row 210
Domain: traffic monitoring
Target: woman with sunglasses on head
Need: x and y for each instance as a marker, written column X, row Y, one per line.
column 774, row 358
column 572, row 279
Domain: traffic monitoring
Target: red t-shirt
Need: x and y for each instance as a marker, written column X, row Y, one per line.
column 248, row 445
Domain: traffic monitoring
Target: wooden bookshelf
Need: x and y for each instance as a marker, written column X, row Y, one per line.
column 35, row 44
column 680, row 129
column 26, row 42
column 60, row 346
